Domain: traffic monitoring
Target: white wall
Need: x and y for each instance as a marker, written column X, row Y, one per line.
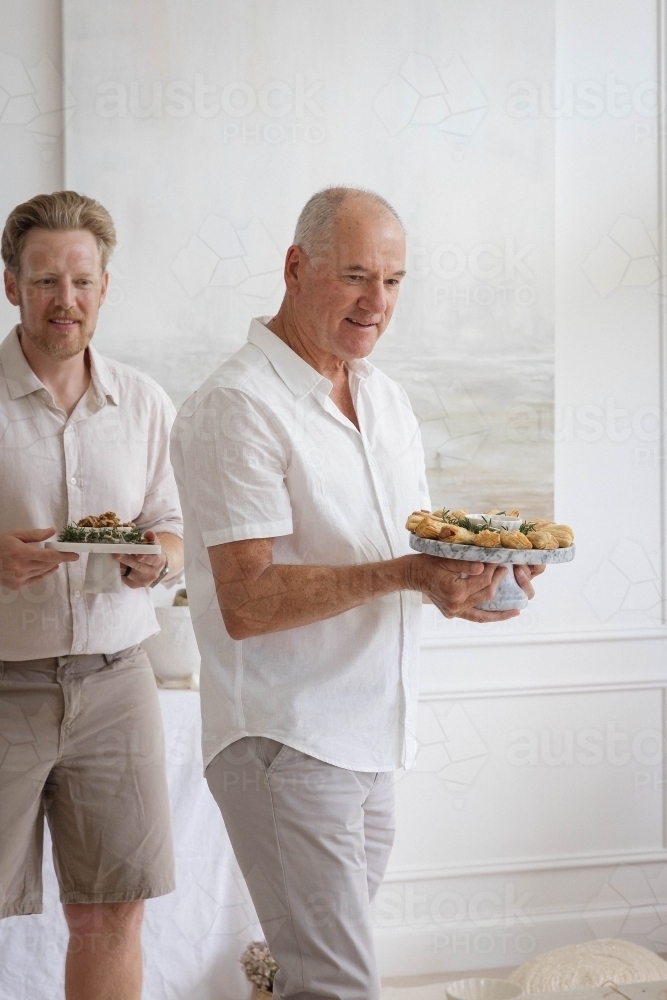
column 204, row 130
column 536, row 814
column 32, row 161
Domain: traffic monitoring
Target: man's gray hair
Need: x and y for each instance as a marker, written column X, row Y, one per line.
column 315, row 226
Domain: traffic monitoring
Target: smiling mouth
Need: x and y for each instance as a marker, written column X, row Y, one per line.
column 63, row 321
column 362, row 326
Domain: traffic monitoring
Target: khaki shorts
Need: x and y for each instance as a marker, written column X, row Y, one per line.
column 81, row 740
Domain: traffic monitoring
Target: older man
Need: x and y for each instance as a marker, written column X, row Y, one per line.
column 78, row 706
column 297, row 463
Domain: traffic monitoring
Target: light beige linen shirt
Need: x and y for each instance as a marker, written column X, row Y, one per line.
column 112, row 453
column 261, row 451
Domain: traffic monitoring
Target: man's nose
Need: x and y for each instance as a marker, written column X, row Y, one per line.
column 65, row 297
column 374, row 298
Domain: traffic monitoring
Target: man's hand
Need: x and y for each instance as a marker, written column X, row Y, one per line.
column 141, row 571
column 23, row 562
column 456, row 587
column 523, row 576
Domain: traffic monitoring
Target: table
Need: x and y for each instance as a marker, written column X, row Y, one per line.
column 192, row 938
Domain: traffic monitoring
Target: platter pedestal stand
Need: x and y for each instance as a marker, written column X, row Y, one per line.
column 509, row 596
column 103, row 571
column 102, row 575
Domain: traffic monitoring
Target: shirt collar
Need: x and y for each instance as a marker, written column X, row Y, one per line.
column 102, row 379
column 299, row 377
column 21, row 379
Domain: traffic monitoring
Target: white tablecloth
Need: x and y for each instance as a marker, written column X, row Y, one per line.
column 192, row 938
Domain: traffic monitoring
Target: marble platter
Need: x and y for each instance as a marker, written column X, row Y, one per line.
column 509, row 596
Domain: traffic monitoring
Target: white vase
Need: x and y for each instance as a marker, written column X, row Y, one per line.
column 173, row 651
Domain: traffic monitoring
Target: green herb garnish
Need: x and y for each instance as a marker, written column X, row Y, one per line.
column 104, row 536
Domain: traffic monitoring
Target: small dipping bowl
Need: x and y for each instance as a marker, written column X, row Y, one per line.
column 510, row 523
column 477, row 519
column 482, row 989
column 496, row 521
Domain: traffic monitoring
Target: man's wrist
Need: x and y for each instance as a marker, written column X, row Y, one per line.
column 409, row 572
column 163, row 573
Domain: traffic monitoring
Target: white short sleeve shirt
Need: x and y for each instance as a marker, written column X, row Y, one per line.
column 259, row 451
column 111, row 453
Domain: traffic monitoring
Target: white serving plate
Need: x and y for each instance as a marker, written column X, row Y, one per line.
column 106, row 548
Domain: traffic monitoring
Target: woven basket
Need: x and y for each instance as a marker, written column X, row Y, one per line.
column 592, row 963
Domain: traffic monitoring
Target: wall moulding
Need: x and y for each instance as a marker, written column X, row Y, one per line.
column 556, row 862
column 525, row 691
column 409, row 950
column 544, row 638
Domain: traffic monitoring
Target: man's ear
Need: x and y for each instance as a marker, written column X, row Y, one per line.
column 11, row 287
column 105, row 286
column 294, row 262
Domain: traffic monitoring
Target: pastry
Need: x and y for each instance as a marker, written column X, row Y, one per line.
column 515, row 540
column 542, row 540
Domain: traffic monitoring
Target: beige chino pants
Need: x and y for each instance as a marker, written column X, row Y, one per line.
column 312, row 841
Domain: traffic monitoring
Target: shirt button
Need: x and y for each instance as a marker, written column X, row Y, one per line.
column 79, row 648
column 77, row 593
column 73, row 481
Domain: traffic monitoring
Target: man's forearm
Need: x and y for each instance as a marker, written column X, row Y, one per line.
column 284, row 596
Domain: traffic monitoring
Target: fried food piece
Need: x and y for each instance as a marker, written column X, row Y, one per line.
column 414, row 519
column 542, row 540
column 563, row 534
column 457, row 536
column 424, row 525
column 488, row 539
column 514, row 540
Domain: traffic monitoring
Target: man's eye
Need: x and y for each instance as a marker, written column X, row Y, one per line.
column 355, row 277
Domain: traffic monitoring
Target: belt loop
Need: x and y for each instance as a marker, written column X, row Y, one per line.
column 2, row 669
column 108, row 658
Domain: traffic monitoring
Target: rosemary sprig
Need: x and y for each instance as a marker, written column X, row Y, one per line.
column 106, row 536
column 527, row 526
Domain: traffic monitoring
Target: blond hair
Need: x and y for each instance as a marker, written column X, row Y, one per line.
column 65, row 210
column 316, row 223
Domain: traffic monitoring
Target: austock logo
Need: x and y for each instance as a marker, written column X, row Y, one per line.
column 420, row 93
column 221, row 256
column 36, row 98
column 627, row 257
column 449, row 747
